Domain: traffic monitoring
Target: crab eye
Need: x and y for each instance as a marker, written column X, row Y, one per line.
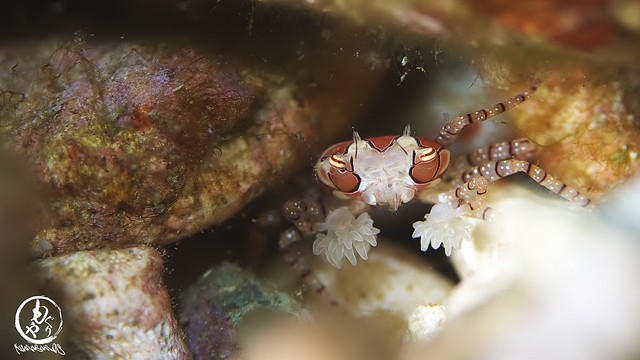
column 337, row 162
column 336, row 171
column 428, row 165
column 427, row 154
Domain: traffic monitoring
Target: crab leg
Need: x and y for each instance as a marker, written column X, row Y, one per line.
column 304, row 214
column 471, row 195
column 299, row 265
column 521, row 149
column 455, row 176
column 453, row 127
column 495, row 170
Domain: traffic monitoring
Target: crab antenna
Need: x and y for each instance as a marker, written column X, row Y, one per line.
column 356, row 140
column 407, row 130
column 356, row 136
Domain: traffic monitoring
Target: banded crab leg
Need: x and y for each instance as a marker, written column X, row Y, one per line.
column 471, row 195
column 492, row 163
column 453, row 127
column 521, row 148
column 304, row 214
column 495, row 170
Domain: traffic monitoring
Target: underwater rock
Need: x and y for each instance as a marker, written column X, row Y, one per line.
column 575, row 24
column 425, row 323
column 627, row 13
column 385, row 290
column 437, row 19
column 391, row 280
column 131, row 140
column 586, row 134
column 559, row 277
column 114, row 304
column 223, row 299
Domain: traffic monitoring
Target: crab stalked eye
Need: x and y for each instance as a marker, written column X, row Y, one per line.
column 428, row 165
column 337, row 162
column 344, row 180
column 336, row 171
column 426, row 154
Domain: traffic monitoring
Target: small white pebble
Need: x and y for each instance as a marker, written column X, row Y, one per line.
column 425, row 322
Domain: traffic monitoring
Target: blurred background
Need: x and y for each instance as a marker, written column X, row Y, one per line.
column 146, row 142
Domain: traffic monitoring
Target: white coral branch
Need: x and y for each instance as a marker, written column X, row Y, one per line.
column 443, row 226
column 345, row 236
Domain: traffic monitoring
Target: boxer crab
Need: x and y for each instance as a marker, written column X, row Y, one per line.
column 392, row 170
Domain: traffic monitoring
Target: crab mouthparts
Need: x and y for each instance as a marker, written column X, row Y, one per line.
column 393, row 194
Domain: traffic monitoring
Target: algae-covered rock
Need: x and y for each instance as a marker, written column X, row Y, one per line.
column 587, row 134
column 213, row 309
column 116, row 132
column 114, row 304
column 128, row 138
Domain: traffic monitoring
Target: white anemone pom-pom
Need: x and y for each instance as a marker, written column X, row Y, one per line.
column 444, row 225
column 346, row 236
